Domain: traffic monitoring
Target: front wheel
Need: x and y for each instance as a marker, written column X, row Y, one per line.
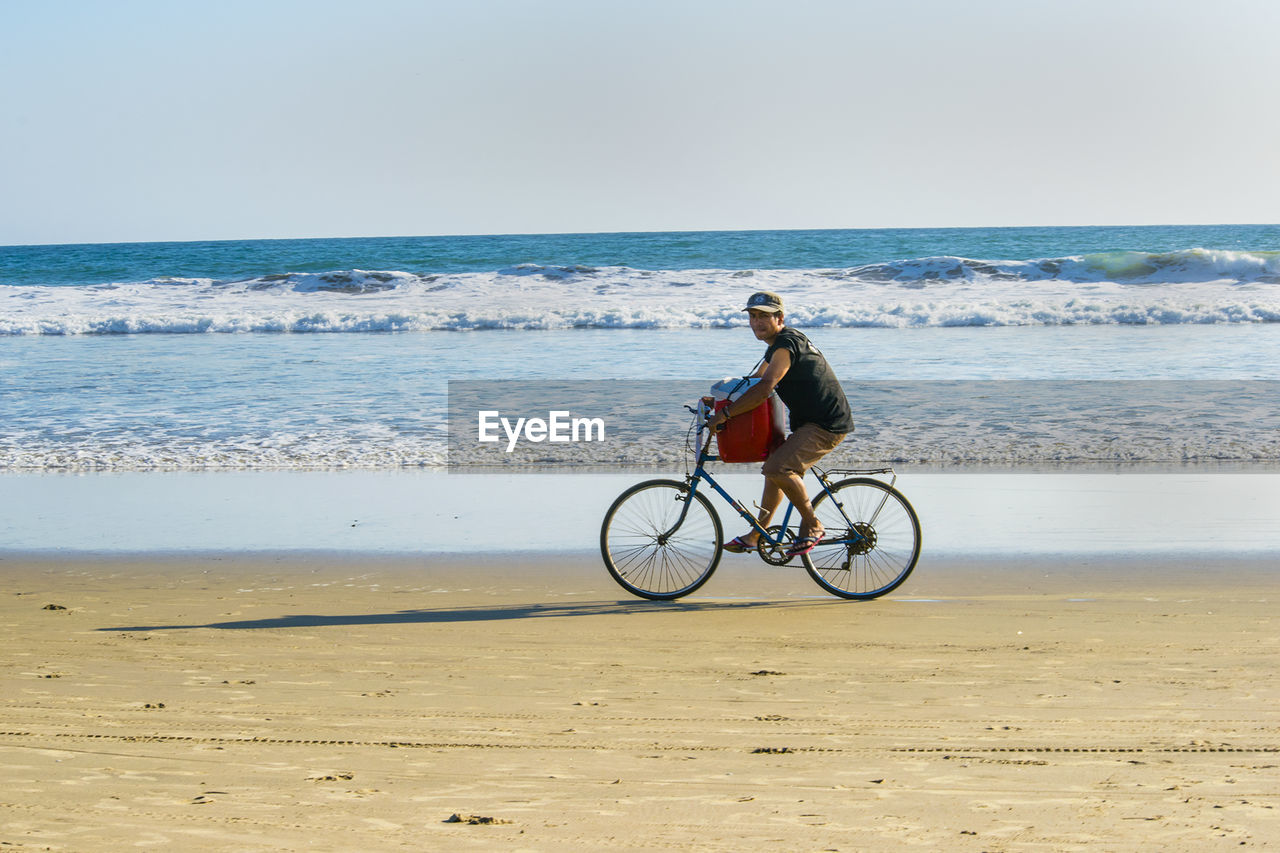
column 660, row 541
column 872, row 539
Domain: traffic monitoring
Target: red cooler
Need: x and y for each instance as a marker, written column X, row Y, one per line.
column 751, row 436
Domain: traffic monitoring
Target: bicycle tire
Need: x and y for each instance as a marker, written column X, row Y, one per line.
column 642, row 551
column 888, row 547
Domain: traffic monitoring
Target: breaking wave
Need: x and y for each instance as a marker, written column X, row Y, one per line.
column 1183, row 287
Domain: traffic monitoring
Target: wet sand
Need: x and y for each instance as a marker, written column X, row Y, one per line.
column 223, row 702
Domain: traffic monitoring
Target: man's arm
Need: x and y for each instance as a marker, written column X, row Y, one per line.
column 770, row 374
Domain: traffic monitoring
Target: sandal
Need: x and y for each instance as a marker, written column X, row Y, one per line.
column 737, row 545
column 804, row 545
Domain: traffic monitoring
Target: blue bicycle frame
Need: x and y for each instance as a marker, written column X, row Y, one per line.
column 662, row 539
column 850, row 536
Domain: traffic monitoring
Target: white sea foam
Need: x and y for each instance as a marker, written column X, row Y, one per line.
column 1003, row 424
column 1189, row 287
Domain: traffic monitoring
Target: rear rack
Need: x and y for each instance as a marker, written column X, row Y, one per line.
column 857, row 472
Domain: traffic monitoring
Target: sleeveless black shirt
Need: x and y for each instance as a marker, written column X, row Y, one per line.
column 810, row 389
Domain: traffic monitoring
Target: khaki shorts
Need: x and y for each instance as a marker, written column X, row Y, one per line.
column 801, row 450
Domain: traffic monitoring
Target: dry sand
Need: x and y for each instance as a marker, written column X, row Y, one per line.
column 525, row 704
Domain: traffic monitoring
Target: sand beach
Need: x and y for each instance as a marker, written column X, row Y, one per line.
column 242, row 702
column 330, row 333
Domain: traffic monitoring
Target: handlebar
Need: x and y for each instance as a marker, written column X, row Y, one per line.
column 705, row 413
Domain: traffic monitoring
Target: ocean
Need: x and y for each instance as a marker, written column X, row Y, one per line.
column 337, row 353
column 121, row 362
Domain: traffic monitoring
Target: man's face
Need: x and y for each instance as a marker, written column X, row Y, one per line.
column 765, row 324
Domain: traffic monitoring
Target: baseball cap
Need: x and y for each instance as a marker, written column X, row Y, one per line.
column 764, row 301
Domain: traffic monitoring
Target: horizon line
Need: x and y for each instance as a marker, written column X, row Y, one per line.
column 633, row 232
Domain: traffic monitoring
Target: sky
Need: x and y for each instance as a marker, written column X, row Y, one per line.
column 150, row 120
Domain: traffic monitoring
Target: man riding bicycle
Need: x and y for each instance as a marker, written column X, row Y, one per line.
column 818, row 413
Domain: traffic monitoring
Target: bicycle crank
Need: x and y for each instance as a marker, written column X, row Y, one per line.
column 776, row 555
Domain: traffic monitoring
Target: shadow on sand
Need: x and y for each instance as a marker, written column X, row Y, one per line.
column 485, row 614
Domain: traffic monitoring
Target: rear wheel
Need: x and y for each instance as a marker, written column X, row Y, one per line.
column 659, row 541
column 872, row 539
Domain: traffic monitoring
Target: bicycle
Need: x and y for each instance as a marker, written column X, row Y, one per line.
column 662, row 539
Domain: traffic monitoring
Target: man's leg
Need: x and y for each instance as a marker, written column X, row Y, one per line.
column 769, row 502
column 785, row 468
column 791, row 485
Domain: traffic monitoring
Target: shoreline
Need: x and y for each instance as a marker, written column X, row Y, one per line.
column 544, row 560
column 642, row 470
column 409, row 513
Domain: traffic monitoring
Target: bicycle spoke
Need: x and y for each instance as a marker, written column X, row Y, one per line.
column 660, row 542
column 873, row 539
